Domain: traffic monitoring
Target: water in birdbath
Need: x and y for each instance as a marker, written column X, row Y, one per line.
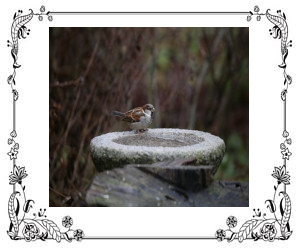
column 145, row 139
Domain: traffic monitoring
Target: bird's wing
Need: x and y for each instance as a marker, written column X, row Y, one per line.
column 134, row 115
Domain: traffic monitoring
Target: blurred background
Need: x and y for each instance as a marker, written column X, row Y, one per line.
column 196, row 78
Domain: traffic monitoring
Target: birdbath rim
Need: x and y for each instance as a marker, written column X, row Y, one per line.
column 120, row 148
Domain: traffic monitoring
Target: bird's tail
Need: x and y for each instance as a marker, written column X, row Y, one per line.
column 118, row 114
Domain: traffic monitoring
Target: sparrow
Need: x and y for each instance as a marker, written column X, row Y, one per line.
column 139, row 119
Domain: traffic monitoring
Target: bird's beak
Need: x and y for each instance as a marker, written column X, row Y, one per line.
column 153, row 110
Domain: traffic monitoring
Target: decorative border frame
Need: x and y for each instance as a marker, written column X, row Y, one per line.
column 36, row 226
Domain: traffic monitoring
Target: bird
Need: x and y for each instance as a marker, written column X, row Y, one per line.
column 139, row 119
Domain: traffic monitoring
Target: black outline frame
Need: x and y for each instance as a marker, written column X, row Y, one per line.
column 260, row 227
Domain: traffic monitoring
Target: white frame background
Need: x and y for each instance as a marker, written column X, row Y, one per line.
column 24, row 109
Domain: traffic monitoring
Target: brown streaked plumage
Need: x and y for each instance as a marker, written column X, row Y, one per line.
column 139, row 119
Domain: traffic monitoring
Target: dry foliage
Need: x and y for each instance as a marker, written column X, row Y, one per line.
column 196, row 78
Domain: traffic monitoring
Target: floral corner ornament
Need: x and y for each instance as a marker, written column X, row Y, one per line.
column 268, row 232
column 221, row 234
column 78, row 234
column 281, row 175
column 67, row 221
column 12, row 154
column 286, row 154
column 258, row 228
column 20, row 31
column 255, row 13
column 23, row 225
column 14, row 145
column 30, row 232
column 278, row 31
column 40, row 228
column 17, row 176
column 284, row 145
column 44, row 13
column 277, row 224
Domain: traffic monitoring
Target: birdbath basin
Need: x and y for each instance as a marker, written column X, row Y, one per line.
column 116, row 149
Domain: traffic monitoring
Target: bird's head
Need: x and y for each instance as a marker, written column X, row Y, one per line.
column 149, row 107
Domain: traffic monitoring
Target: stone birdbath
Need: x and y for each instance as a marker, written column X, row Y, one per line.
column 117, row 149
column 133, row 165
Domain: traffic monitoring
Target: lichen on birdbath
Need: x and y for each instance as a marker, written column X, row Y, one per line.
column 116, row 149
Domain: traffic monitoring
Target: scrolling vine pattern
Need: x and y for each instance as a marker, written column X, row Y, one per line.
column 277, row 225
column 37, row 226
column 22, row 225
